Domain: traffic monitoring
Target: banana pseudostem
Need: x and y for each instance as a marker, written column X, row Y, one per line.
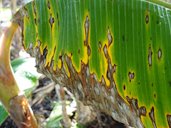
column 10, row 95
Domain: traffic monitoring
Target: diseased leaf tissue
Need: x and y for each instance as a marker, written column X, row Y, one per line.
column 111, row 54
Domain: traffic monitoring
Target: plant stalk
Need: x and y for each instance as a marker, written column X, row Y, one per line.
column 10, row 94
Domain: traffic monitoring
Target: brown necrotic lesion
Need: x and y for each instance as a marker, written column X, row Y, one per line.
column 110, row 38
column 147, row 19
column 152, row 117
column 150, row 53
column 124, row 87
column 48, row 5
column 131, row 76
column 86, row 28
column 169, row 120
column 142, row 111
column 159, row 54
column 100, row 45
column 51, row 20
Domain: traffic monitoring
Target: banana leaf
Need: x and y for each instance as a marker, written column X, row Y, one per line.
column 111, row 54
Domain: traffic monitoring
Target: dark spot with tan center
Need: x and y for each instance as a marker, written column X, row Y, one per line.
column 147, row 19
column 100, row 46
column 86, row 27
column 150, row 53
column 169, row 120
column 105, row 51
column 51, row 20
column 109, row 37
column 131, row 76
column 159, row 54
column 110, row 71
column 154, row 95
column 48, row 5
column 152, row 117
column 142, row 111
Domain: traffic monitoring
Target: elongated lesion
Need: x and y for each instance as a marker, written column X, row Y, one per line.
column 150, row 53
column 101, row 93
column 159, row 53
column 110, row 38
column 169, row 120
column 87, row 29
column 152, row 117
column 87, row 88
